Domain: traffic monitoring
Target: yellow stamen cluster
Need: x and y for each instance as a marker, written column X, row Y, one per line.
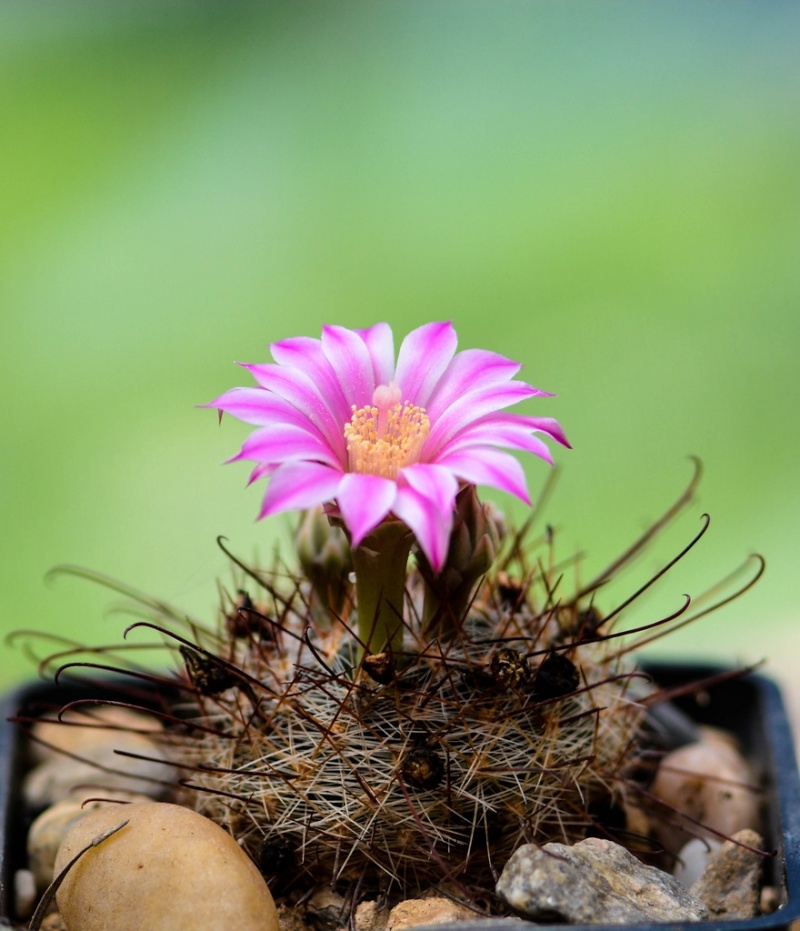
column 381, row 440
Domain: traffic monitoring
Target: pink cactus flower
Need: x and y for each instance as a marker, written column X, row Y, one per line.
column 341, row 423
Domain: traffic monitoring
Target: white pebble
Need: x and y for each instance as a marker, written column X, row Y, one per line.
column 24, row 893
column 693, row 859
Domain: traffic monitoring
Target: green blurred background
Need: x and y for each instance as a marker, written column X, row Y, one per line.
column 607, row 192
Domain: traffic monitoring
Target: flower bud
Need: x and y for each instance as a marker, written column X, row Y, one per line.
column 324, row 554
column 475, row 540
column 477, row 535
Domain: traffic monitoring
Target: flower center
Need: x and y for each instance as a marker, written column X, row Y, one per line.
column 386, row 435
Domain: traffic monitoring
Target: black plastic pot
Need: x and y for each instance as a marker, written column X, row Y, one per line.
column 750, row 707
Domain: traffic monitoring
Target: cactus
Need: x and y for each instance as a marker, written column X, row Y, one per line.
column 522, row 720
column 409, row 769
column 381, row 728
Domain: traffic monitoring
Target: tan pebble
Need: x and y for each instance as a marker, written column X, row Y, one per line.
column 711, row 782
column 45, row 836
column 770, row 901
column 290, row 918
column 718, row 737
column 101, row 771
column 370, row 916
column 431, row 911
column 731, row 881
column 637, row 820
column 49, row 830
column 168, row 868
column 53, row 922
column 326, row 908
column 85, row 727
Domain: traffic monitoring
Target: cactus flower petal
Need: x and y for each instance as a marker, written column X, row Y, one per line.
column 426, row 503
column 339, row 423
column 364, row 501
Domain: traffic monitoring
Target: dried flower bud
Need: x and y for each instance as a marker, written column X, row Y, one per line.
column 557, row 675
column 422, row 767
column 206, row 673
column 478, row 530
column 510, row 669
column 379, row 667
column 274, row 855
column 579, row 624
